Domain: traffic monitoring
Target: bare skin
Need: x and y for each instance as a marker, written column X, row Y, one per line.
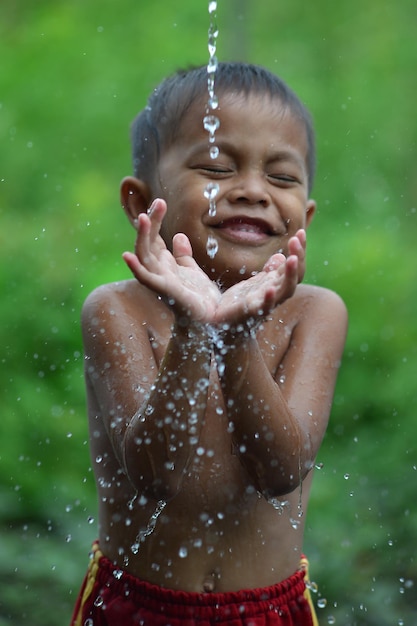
column 212, row 399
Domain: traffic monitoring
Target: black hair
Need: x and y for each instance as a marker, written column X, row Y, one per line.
column 157, row 126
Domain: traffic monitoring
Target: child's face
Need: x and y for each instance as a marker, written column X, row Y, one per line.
column 263, row 184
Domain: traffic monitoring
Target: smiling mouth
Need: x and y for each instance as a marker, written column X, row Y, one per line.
column 245, row 225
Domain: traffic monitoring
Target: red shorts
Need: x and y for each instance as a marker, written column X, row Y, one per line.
column 112, row 597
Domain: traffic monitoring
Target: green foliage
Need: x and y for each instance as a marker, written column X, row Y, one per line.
column 73, row 76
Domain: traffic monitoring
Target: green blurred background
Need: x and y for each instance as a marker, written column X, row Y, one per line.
column 72, row 77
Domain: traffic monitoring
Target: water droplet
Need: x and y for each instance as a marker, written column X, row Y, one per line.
column 89, row 622
column 321, row 603
column 279, row 505
column 346, row 476
column 98, row 601
column 213, row 102
column 211, row 191
column 214, row 152
column 212, row 65
column 68, row 538
column 118, row 573
column 131, row 503
column 212, row 7
column 312, row 586
column 331, row 619
column 211, row 123
column 183, row 552
column 212, row 247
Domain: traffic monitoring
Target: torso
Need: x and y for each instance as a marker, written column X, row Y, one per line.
column 217, row 533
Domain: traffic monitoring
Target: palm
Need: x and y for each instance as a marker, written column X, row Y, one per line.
column 188, row 290
column 254, row 298
column 174, row 276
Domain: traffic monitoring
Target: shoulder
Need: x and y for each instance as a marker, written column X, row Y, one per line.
column 315, row 313
column 123, row 309
column 320, row 299
column 114, row 306
column 322, row 318
column 111, row 297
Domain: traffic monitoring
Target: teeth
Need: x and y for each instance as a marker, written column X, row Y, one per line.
column 245, row 227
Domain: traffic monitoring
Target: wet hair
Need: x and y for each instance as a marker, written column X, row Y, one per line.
column 157, row 126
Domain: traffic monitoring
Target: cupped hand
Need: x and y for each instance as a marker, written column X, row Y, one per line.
column 248, row 302
column 173, row 275
column 188, row 290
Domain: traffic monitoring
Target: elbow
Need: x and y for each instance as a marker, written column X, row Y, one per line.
column 159, row 481
column 276, row 477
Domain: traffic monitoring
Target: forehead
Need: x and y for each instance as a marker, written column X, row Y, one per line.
column 256, row 117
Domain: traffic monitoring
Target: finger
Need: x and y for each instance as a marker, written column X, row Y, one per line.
column 142, row 244
column 274, row 262
column 181, row 249
column 297, row 246
column 143, row 275
column 301, row 234
column 291, row 275
column 149, row 243
column 132, row 262
column 286, row 284
column 156, row 214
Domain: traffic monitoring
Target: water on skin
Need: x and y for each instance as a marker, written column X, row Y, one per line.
column 143, row 534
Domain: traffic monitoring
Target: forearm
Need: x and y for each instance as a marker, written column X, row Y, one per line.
column 162, row 436
column 267, row 435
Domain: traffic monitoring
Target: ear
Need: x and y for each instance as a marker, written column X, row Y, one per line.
column 135, row 196
column 310, row 211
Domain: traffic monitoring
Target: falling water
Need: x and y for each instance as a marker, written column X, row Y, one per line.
column 149, row 528
column 210, row 121
column 210, row 192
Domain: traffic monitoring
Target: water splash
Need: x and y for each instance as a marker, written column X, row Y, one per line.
column 279, row 505
column 143, row 534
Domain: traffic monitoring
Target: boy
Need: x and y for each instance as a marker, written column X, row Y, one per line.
column 210, row 377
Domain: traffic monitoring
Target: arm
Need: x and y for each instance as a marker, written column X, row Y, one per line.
column 161, row 438
column 153, row 405
column 279, row 418
column 278, row 427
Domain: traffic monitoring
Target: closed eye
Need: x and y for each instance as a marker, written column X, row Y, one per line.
column 213, row 170
column 284, row 180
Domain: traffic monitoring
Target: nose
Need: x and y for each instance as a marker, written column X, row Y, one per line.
column 250, row 189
